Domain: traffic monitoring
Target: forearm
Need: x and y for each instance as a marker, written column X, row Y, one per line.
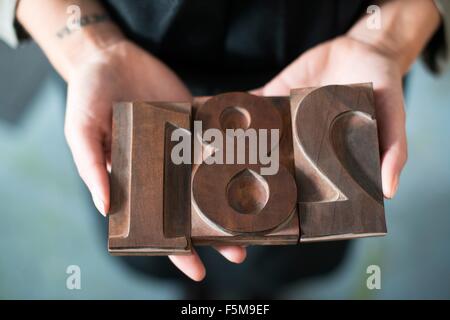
column 406, row 28
column 65, row 46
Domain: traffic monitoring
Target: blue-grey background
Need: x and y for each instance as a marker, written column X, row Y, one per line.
column 47, row 222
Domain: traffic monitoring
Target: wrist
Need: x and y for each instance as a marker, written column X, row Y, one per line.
column 85, row 44
column 383, row 46
column 406, row 28
column 68, row 31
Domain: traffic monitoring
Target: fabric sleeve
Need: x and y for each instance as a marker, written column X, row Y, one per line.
column 9, row 31
column 436, row 54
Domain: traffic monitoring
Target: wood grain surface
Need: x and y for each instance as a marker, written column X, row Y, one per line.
column 337, row 163
column 328, row 186
column 150, row 205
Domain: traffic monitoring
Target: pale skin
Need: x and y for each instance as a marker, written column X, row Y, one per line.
column 101, row 66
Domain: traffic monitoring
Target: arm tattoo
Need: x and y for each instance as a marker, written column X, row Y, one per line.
column 83, row 22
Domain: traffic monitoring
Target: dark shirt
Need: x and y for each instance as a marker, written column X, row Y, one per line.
column 220, row 45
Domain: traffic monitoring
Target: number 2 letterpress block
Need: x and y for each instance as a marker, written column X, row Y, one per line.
column 337, row 163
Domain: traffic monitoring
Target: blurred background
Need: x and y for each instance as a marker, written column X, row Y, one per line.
column 47, row 221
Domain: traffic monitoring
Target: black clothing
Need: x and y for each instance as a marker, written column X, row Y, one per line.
column 227, row 45
column 217, row 46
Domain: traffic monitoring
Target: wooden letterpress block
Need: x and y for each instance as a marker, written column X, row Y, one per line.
column 337, row 163
column 234, row 203
column 150, row 197
column 327, row 185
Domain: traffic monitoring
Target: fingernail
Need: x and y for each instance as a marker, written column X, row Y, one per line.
column 99, row 205
column 394, row 186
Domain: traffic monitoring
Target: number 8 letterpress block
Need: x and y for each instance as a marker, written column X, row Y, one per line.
column 241, row 169
column 233, row 201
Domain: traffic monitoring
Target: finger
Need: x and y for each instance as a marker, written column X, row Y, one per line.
column 257, row 92
column 108, row 161
column 392, row 134
column 290, row 78
column 88, row 153
column 278, row 86
column 296, row 75
column 393, row 161
column 233, row 254
column 190, row 265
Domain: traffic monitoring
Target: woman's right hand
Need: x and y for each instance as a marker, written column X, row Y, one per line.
column 119, row 72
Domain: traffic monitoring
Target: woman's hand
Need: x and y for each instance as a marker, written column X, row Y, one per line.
column 381, row 56
column 101, row 67
column 119, row 72
column 343, row 61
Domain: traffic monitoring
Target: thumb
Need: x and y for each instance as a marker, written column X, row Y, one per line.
column 392, row 134
column 275, row 87
column 257, row 92
column 88, row 153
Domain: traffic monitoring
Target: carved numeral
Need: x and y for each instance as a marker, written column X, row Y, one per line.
column 237, row 198
column 337, row 163
column 150, row 207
